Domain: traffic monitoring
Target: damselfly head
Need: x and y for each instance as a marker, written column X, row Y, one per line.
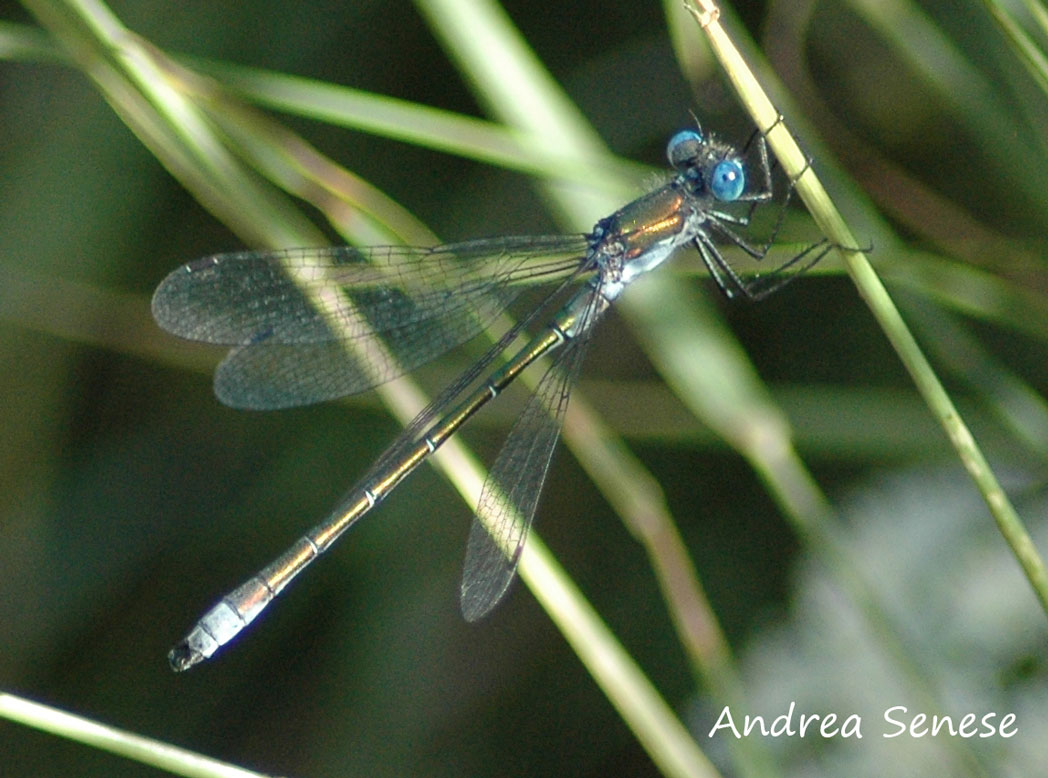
column 708, row 164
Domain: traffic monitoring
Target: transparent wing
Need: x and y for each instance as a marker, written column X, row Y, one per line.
column 511, row 491
column 289, row 314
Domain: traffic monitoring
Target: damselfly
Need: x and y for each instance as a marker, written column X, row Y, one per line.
column 316, row 324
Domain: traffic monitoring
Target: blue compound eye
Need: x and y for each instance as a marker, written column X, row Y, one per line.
column 728, row 180
column 683, row 148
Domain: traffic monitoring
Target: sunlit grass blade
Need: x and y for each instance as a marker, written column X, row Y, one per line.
column 974, row 98
column 144, row 750
column 516, row 88
column 1020, row 409
column 873, row 292
column 359, row 211
column 1026, row 49
column 694, row 616
column 137, row 84
column 421, row 125
column 146, row 70
column 130, row 75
